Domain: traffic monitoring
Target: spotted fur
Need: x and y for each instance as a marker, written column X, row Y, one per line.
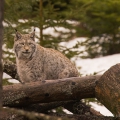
column 35, row 62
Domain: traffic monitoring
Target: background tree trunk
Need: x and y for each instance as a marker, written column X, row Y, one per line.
column 41, row 20
column 1, row 39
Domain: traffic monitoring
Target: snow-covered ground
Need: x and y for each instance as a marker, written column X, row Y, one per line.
column 97, row 65
column 103, row 110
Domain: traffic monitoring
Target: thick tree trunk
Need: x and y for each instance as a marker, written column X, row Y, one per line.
column 108, row 89
column 49, row 91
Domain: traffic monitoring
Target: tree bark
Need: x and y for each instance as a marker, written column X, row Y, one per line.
column 108, row 89
column 42, row 91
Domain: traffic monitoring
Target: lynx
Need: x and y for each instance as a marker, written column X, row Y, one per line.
column 35, row 62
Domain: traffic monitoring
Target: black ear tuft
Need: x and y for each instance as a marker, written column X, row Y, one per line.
column 16, row 30
column 34, row 29
column 32, row 35
column 18, row 35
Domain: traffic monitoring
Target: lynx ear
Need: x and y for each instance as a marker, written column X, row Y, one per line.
column 18, row 35
column 32, row 35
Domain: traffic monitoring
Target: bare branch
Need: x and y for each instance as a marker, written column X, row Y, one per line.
column 15, row 114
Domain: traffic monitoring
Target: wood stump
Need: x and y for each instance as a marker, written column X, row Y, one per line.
column 108, row 89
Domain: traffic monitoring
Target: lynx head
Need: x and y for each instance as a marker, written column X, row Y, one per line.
column 24, row 45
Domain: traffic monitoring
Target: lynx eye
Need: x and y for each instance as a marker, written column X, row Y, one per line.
column 21, row 43
column 31, row 44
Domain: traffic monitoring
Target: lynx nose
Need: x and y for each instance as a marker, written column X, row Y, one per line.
column 26, row 48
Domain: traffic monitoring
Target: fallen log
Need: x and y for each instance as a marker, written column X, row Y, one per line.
column 11, row 69
column 49, row 91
